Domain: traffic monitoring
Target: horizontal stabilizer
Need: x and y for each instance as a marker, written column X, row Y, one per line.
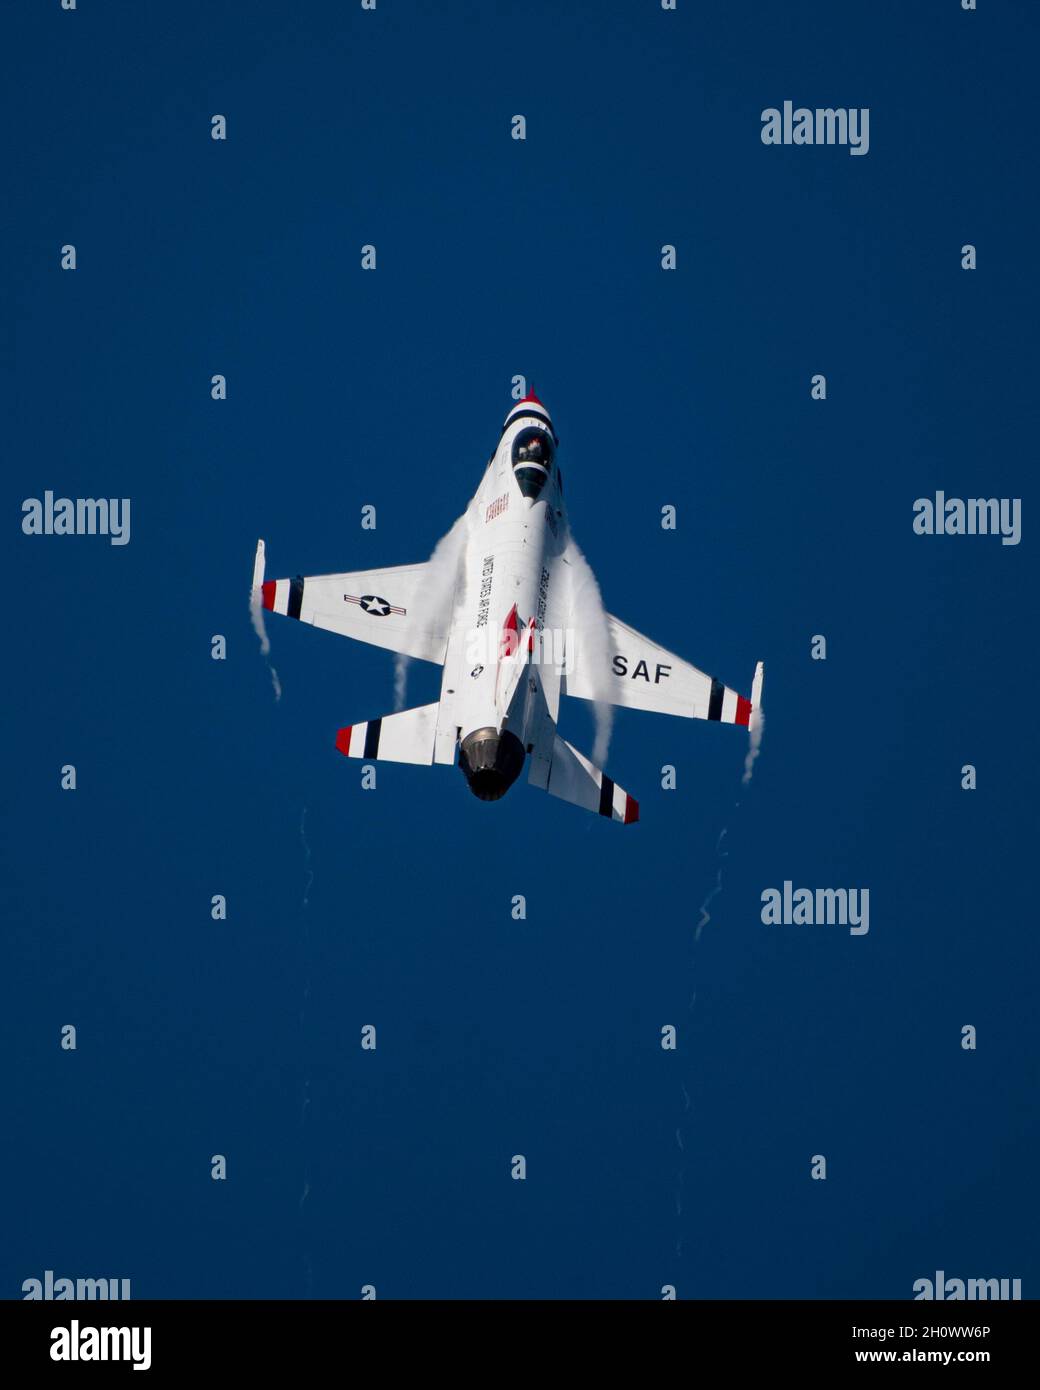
column 407, row 737
column 573, row 778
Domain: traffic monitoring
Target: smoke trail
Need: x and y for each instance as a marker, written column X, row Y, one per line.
column 755, row 729
column 401, row 664
column 440, row 586
column 604, row 713
column 588, row 618
column 256, row 615
column 442, row 568
column 705, row 917
column 758, row 724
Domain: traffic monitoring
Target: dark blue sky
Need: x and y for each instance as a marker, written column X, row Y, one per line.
column 498, row 257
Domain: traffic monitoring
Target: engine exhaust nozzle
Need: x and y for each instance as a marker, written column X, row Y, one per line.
column 491, row 762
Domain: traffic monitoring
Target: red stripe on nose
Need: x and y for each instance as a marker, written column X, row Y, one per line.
column 743, row 711
column 268, row 593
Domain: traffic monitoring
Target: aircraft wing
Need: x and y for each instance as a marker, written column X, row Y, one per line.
column 395, row 608
column 643, row 675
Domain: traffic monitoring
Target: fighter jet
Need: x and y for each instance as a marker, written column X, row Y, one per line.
column 507, row 606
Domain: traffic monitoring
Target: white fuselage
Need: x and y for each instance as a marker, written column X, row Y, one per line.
column 503, row 594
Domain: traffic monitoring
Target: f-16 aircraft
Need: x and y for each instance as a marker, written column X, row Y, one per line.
column 508, row 607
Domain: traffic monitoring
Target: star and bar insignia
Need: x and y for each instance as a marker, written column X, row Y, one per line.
column 373, row 604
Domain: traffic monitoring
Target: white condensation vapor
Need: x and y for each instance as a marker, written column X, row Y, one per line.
column 756, row 728
column 588, row 618
column 256, row 615
column 755, row 732
column 705, row 916
column 439, row 590
column 401, row 664
column 444, row 564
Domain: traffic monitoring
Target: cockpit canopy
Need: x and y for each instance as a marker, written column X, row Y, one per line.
column 532, row 459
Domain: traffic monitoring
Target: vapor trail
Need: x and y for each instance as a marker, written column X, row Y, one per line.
column 755, row 732
column 705, row 916
column 755, row 729
column 444, row 565
column 256, row 616
column 440, row 586
column 588, row 618
column 401, row 664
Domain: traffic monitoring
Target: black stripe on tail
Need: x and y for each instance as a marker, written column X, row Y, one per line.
column 715, row 700
column 295, row 596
